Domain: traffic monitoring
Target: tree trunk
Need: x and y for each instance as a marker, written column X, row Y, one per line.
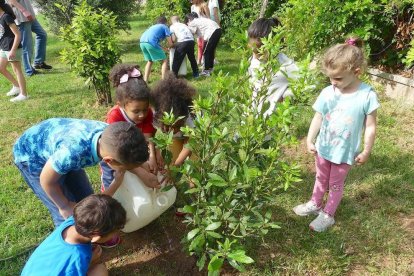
column 263, row 9
column 103, row 94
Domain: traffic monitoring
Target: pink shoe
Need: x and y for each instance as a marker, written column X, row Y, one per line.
column 116, row 239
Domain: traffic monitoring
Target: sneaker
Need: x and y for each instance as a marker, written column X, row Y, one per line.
column 34, row 72
column 205, row 73
column 14, row 91
column 116, row 239
column 42, row 66
column 196, row 75
column 305, row 209
column 19, row 98
column 322, row 222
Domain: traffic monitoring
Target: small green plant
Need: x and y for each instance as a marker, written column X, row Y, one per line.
column 238, row 169
column 92, row 47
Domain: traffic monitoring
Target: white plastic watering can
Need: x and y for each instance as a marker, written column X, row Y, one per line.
column 142, row 204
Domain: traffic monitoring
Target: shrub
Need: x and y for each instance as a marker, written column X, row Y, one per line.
column 239, row 167
column 315, row 24
column 59, row 13
column 92, row 47
column 156, row 8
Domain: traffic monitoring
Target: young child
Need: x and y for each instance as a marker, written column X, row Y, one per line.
column 184, row 46
column 52, row 154
column 345, row 111
column 10, row 51
column 175, row 95
column 151, row 48
column 211, row 33
column 132, row 95
column 200, row 7
column 68, row 250
column 278, row 88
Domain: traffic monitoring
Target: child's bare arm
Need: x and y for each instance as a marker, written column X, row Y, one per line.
column 16, row 42
column 118, row 179
column 152, row 161
column 369, row 138
column 96, row 255
column 49, row 181
column 185, row 152
column 314, row 128
column 150, row 180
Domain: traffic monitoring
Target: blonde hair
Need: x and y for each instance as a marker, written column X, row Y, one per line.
column 346, row 56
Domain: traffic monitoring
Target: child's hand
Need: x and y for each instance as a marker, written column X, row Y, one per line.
column 362, row 158
column 150, row 180
column 12, row 55
column 28, row 15
column 96, row 254
column 311, row 148
column 119, row 175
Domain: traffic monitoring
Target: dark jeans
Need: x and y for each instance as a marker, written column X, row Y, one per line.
column 210, row 49
column 75, row 186
column 181, row 50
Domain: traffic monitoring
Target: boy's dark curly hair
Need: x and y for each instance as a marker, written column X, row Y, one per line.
column 125, row 143
column 173, row 94
column 98, row 215
column 135, row 89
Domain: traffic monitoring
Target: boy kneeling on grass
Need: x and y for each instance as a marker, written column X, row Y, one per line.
column 68, row 250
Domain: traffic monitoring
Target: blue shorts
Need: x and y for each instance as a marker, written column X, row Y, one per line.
column 152, row 53
column 75, row 186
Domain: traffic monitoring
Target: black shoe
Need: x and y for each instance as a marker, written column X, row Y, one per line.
column 34, row 72
column 42, row 66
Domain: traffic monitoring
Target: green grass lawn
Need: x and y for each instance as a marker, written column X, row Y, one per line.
column 375, row 222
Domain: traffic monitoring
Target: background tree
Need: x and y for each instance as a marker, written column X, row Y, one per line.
column 93, row 47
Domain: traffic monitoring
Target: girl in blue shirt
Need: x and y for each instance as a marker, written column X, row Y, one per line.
column 345, row 111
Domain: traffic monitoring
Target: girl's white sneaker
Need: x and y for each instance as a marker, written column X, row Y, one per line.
column 14, row 91
column 19, row 98
column 322, row 222
column 305, row 209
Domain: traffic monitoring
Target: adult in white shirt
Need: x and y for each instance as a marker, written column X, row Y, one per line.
column 184, row 46
column 211, row 32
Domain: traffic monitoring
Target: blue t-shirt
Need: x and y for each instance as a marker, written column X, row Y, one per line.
column 70, row 144
column 54, row 256
column 339, row 139
column 154, row 34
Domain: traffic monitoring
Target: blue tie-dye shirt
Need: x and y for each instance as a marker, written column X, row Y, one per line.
column 69, row 144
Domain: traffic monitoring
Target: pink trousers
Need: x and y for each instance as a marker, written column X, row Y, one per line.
column 200, row 49
column 329, row 177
